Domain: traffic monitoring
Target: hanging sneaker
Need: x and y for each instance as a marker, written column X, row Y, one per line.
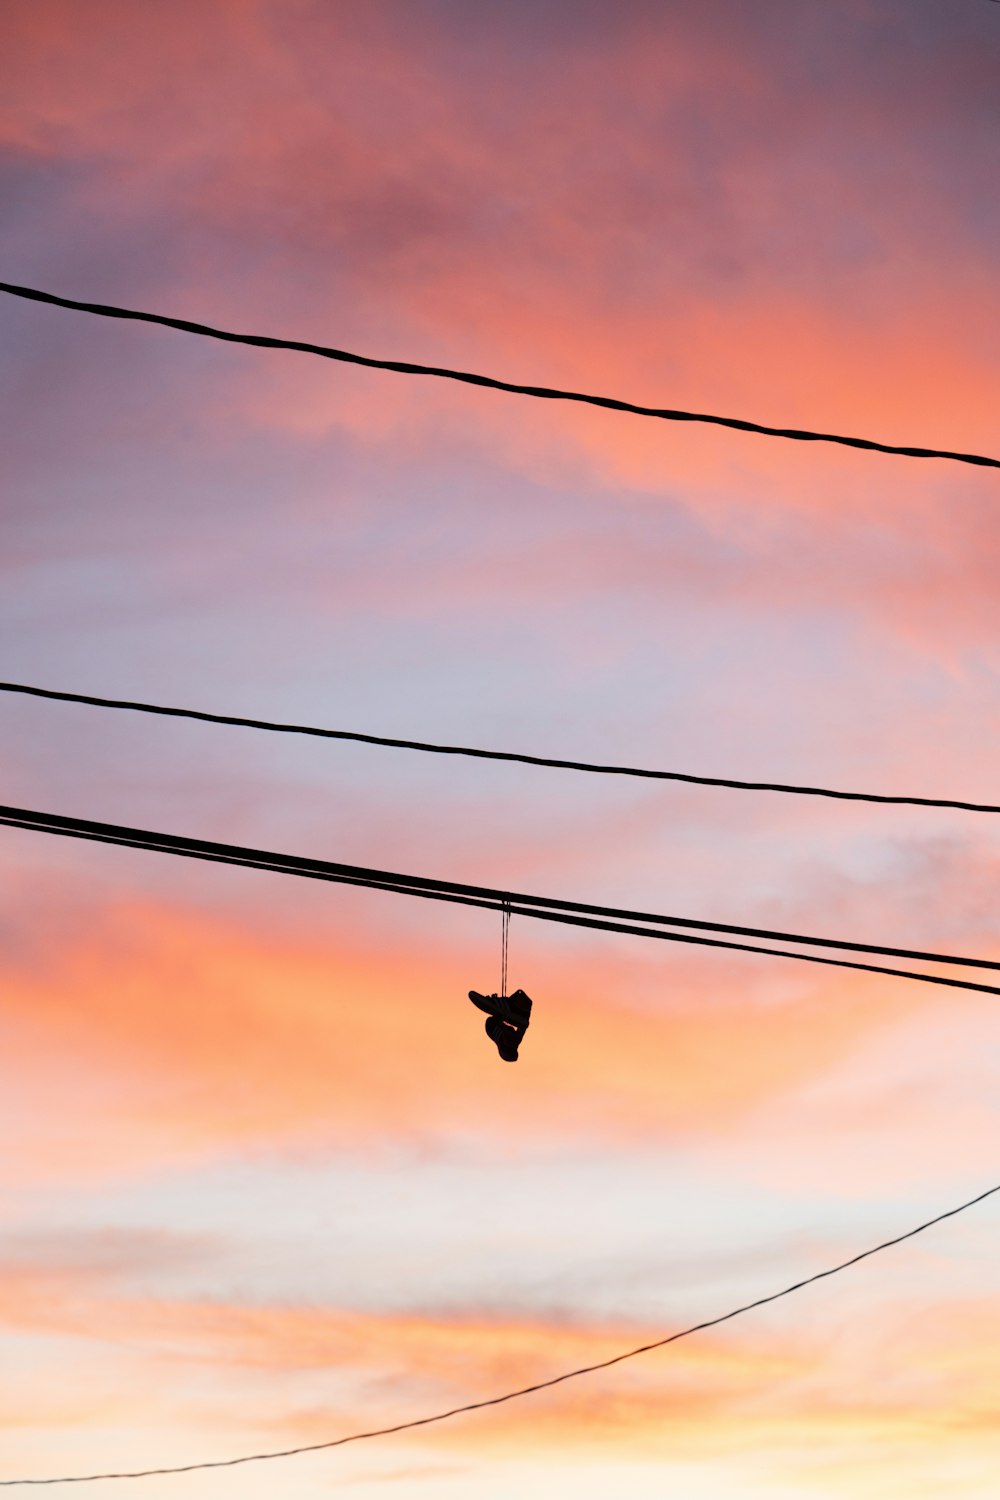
column 515, row 1009
column 507, row 1038
column 491, row 1004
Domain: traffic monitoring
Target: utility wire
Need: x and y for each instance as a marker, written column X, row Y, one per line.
column 506, row 755
column 423, row 885
column 543, row 392
column 543, row 908
column 527, row 1390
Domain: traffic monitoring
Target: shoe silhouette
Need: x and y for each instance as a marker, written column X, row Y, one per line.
column 514, row 1008
column 509, row 1016
column 507, row 1038
column 519, row 1006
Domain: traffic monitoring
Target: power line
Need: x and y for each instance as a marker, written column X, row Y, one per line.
column 543, row 908
column 546, row 393
column 504, row 755
column 527, row 1390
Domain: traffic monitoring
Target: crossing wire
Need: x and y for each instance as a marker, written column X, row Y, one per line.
column 542, row 908
column 203, row 716
column 526, row 1390
column 542, row 392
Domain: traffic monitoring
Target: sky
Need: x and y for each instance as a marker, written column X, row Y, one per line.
column 266, row 1181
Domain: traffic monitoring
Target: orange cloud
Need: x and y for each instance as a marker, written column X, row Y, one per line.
column 913, row 1373
column 161, row 1031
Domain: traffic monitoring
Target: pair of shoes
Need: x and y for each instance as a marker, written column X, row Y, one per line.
column 509, row 1016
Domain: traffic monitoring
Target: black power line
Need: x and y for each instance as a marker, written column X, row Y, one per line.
column 543, row 908
column 527, row 1390
column 547, row 393
column 506, row 755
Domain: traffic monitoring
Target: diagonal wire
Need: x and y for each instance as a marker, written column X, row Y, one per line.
column 545, row 393
column 204, row 716
column 542, row 908
column 527, row 1390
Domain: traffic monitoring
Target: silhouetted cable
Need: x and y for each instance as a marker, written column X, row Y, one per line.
column 572, row 913
column 527, row 1390
column 547, row 393
column 505, row 755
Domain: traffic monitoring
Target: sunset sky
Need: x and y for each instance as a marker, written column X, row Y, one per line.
column 265, row 1180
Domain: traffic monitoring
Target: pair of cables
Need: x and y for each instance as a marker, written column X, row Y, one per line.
column 723, row 935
